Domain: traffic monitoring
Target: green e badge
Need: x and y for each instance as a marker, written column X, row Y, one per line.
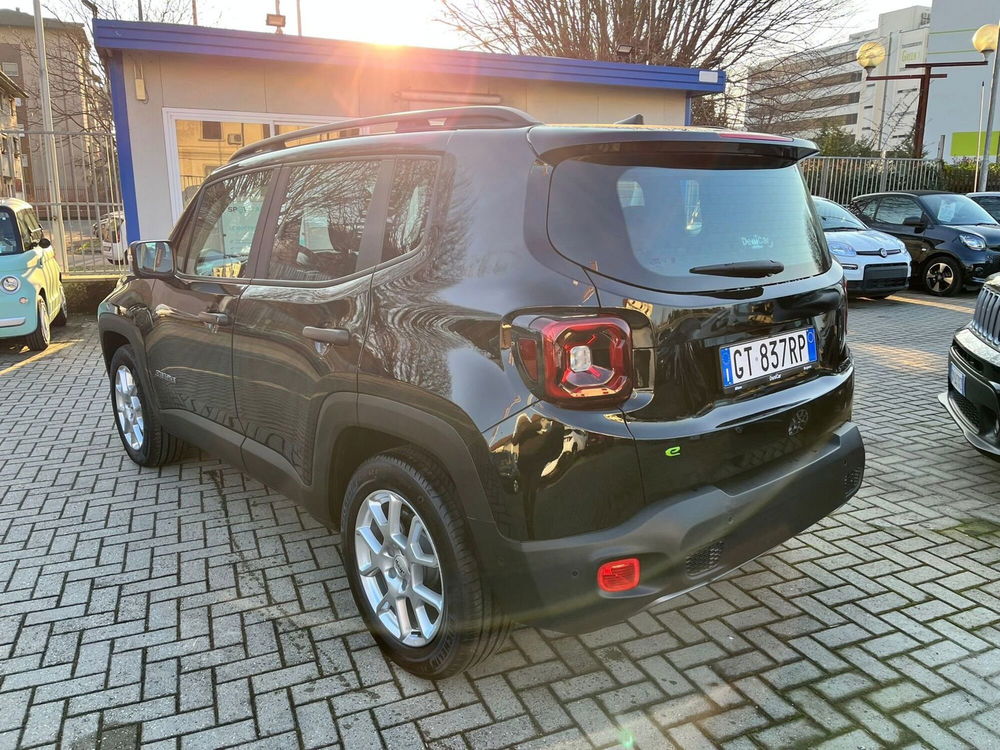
column 672, row 452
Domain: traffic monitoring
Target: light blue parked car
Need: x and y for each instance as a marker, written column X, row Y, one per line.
column 31, row 291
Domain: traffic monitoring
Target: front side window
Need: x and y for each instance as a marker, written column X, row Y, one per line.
column 895, row 209
column 9, row 244
column 409, row 206
column 656, row 220
column 322, row 220
column 220, row 237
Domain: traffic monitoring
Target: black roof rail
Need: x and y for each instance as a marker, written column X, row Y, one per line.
column 453, row 118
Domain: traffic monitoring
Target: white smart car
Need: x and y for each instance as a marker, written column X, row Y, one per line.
column 875, row 264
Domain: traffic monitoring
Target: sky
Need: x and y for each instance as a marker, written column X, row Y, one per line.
column 397, row 21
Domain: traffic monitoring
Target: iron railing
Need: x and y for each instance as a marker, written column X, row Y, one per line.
column 841, row 178
column 90, row 193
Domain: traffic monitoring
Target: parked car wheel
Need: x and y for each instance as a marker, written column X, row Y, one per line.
column 942, row 276
column 411, row 568
column 38, row 340
column 139, row 427
column 63, row 317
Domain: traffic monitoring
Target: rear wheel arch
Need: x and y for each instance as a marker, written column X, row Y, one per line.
column 384, row 424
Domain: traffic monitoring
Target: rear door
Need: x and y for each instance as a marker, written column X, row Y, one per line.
column 302, row 321
column 190, row 341
column 717, row 349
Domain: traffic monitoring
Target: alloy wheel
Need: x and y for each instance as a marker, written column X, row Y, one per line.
column 128, row 408
column 399, row 568
column 939, row 277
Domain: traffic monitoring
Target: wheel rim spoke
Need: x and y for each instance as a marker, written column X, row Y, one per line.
column 426, row 595
column 417, row 554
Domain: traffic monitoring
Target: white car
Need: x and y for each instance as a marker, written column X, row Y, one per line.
column 989, row 201
column 875, row 264
column 111, row 231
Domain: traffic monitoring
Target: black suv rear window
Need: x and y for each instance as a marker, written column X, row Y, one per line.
column 648, row 222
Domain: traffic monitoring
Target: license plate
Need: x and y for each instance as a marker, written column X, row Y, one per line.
column 768, row 358
column 957, row 379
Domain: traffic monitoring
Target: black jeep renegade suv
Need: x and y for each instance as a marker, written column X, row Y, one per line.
column 544, row 374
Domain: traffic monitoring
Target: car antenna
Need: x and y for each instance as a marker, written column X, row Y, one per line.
column 636, row 119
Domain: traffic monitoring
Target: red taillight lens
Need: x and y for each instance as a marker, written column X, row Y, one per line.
column 618, row 575
column 583, row 361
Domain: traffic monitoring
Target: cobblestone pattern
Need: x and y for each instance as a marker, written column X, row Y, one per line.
column 189, row 607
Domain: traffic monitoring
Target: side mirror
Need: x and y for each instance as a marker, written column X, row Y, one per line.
column 917, row 222
column 45, row 243
column 152, row 260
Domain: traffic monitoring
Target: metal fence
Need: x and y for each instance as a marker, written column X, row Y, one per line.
column 841, row 178
column 90, row 193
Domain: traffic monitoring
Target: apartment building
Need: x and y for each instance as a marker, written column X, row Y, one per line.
column 800, row 94
column 72, row 94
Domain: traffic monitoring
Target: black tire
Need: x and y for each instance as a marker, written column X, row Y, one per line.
column 62, row 318
column 157, row 446
column 942, row 276
column 472, row 627
column 38, row 340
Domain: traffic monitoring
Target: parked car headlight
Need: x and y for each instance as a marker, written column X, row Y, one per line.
column 973, row 241
column 10, row 283
column 842, row 249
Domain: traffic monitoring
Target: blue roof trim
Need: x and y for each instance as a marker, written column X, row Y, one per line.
column 201, row 40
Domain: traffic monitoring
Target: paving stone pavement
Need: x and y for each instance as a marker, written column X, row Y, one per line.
column 190, row 607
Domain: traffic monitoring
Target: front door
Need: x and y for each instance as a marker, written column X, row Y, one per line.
column 302, row 321
column 892, row 211
column 189, row 345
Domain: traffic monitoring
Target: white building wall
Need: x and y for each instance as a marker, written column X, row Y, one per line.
column 954, row 105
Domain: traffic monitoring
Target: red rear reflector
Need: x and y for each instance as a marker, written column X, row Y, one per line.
column 618, row 575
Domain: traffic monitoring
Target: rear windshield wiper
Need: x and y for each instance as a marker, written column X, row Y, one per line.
column 747, row 269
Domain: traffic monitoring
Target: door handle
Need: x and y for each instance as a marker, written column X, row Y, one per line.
column 214, row 318
column 335, row 336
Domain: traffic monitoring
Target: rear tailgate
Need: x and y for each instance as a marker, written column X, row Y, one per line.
column 738, row 365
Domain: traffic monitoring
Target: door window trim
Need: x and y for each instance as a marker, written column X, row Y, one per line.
column 371, row 238
column 258, row 230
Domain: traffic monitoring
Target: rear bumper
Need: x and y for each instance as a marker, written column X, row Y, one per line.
column 683, row 541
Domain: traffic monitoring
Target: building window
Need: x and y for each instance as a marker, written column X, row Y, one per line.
column 211, row 131
column 10, row 68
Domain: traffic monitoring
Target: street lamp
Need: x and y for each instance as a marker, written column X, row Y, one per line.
column 872, row 54
column 985, row 41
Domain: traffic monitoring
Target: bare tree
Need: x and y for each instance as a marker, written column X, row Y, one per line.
column 728, row 34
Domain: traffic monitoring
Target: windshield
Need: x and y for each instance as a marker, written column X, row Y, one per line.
column 948, row 208
column 834, row 216
column 649, row 223
column 9, row 244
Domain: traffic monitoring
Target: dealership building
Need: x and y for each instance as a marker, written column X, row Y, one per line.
column 185, row 98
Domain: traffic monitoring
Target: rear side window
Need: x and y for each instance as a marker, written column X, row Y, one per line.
column 649, row 223
column 217, row 243
column 322, row 220
column 409, row 206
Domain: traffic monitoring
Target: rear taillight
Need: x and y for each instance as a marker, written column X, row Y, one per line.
column 578, row 362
